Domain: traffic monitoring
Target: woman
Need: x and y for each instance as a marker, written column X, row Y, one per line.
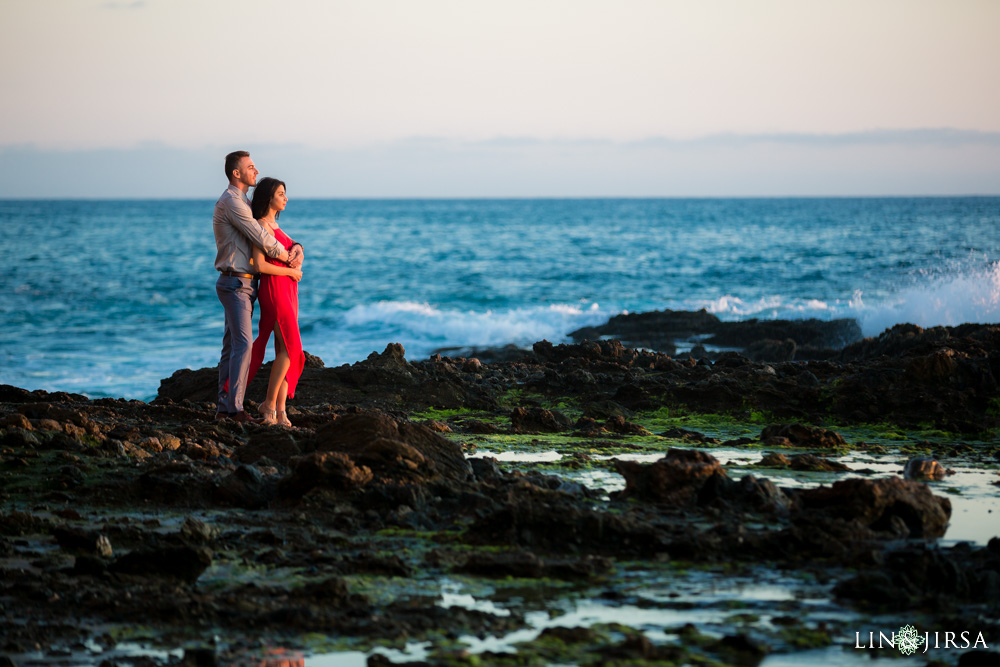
column 279, row 307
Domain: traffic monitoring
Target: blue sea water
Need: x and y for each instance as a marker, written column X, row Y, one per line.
column 106, row 298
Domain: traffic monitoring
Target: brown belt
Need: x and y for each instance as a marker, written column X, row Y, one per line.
column 233, row 274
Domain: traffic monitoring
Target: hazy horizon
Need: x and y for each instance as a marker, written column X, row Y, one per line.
column 940, row 162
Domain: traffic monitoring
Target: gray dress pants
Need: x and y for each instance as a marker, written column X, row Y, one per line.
column 237, row 296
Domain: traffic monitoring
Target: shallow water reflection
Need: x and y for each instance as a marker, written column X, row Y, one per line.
column 972, row 490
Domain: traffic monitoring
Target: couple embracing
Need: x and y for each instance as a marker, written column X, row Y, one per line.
column 256, row 259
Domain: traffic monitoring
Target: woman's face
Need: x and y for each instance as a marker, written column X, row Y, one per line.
column 279, row 199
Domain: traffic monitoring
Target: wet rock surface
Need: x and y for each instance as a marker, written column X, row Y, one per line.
column 117, row 510
column 761, row 340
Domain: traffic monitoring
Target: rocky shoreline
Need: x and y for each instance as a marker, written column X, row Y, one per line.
column 123, row 521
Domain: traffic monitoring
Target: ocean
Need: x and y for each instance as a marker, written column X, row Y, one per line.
column 105, row 298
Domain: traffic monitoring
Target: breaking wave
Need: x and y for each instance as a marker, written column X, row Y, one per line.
column 971, row 295
column 422, row 328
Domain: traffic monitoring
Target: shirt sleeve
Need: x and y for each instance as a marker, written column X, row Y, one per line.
column 239, row 216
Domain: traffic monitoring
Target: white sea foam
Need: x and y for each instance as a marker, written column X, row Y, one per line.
column 421, row 328
column 971, row 295
column 732, row 307
column 470, row 327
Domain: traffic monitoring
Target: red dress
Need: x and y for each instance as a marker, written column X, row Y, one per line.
column 279, row 302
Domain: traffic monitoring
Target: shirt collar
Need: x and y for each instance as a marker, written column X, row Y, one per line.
column 244, row 197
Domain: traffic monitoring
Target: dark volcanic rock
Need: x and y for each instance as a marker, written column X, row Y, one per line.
column 370, row 452
column 771, row 350
column 183, row 563
column 276, row 445
column 385, row 379
column 921, row 574
column 808, row 462
column 529, row 516
column 480, row 427
column 331, row 470
column 656, row 330
column 539, row 420
column 17, row 523
column 76, row 540
column 764, row 340
column 598, row 355
column 516, row 563
column 620, row 426
column 605, row 409
column 676, row 479
column 677, row 433
column 800, row 435
column 520, row 563
column 924, row 467
column 881, row 505
column 245, row 487
column 897, row 342
column 489, row 355
column 392, row 448
column 760, row 495
column 379, row 367
column 485, row 468
column 812, row 333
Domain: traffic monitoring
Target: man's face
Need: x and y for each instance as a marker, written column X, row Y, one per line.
column 246, row 172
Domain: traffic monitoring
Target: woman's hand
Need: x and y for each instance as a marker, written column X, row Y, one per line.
column 296, row 274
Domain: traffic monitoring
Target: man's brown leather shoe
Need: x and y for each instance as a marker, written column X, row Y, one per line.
column 221, row 416
column 242, row 417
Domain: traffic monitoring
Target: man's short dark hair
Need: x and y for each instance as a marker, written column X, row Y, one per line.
column 233, row 161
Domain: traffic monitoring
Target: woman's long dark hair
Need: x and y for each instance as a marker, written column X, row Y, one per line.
column 262, row 196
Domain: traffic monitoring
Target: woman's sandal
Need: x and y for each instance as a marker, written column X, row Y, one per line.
column 283, row 418
column 270, row 416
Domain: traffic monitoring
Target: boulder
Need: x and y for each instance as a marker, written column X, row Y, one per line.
column 539, row 420
column 274, row 444
column 800, row 435
column 924, row 467
column 393, row 449
column 676, row 479
column 86, row 542
column 881, row 505
column 182, row 563
column 771, row 350
column 536, row 518
column 330, row 470
column 620, row 426
column 244, row 487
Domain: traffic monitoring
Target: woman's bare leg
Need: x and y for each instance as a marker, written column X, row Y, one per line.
column 279, row 406
column 282, row 395
column 278, row 370
column 281, row 415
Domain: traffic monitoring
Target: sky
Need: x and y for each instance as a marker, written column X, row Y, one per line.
column 441, row 98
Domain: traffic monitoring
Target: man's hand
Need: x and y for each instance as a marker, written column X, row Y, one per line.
column 296, row 256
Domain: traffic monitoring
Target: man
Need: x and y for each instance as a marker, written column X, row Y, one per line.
column 235, row 233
